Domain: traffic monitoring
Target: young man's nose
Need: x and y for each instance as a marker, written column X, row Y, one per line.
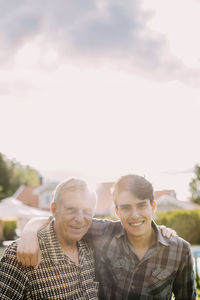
column 134, row 212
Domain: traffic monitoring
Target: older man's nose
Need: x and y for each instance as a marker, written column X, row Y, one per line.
column 79, row 215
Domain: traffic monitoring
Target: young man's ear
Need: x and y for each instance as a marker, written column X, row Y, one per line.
column 116, row 211
column 154, row 205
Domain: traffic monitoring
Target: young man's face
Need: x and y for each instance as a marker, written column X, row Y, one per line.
column 135, row 215
column 73, row 215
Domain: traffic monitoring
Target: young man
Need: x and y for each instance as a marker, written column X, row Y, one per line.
column 132, row 258
column 67, row 267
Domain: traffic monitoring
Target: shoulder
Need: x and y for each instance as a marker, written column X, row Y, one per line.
column 46, row 235
column 178, row 249
column 173, row 241
column 177, row 246
column 179, row 243
column 101, row 228
column 9, row 263
column 106, row 223
column 11, row 251
column 85, row 248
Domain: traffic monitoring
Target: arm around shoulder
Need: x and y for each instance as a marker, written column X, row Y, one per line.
column 101, row 227
column 28, row 252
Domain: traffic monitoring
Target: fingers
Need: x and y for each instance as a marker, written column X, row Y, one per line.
column 27, row 259
column 164, row 230
column 39, row 259
column 167, row 232
column 24, row 258
column 174, row 233
column 33, row 259
column 18, row 256
column 28, row 250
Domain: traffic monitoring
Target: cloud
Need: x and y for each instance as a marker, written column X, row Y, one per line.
column 16, row 87
column 95, row 31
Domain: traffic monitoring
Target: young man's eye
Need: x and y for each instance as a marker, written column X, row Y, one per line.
column 142, row 205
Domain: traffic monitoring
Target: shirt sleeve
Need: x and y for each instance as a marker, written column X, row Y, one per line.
column 184, row 284
column 13, row 281
column 99, row 228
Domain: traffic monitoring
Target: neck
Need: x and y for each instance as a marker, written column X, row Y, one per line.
column 141, row 244
column 68, row 246
column 63, row 241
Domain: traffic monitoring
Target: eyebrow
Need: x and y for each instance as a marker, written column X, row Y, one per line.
column 129, row 204
column 142, row 201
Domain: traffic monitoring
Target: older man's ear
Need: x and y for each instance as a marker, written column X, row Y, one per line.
column 53, row 208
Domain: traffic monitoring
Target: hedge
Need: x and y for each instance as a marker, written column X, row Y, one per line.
column 185, row 222
column 9, row 228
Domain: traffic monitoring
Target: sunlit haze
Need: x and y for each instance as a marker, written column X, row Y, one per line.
column 102, row 90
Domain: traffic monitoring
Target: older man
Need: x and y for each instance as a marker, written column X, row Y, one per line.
column 67, row 267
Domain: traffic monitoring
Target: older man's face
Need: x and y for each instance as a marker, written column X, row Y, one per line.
column 73, row 215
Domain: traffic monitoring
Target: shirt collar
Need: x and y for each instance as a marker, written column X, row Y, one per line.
column 55, row 251
column 159, row 236
column 121, row 232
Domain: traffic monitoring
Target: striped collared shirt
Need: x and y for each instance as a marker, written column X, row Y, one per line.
column 166, row 268
column 57, row 277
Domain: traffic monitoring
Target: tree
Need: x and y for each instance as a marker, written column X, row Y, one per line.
column 195, row 186
column 13, row 175
column 4, row 177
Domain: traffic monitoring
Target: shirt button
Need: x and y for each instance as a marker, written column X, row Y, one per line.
column 132, row 287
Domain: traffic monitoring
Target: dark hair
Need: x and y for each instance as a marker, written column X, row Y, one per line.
column 135, row 184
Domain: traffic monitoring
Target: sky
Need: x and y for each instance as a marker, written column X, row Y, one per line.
column 99, row 89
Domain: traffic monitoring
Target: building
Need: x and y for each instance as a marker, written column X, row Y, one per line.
column 41, row 197
column 105, row 204
column 27, row 196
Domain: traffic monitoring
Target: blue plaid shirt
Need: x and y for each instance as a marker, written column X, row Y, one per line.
column 166, row 268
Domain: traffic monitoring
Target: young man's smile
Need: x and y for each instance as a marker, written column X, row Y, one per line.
column 135, row 214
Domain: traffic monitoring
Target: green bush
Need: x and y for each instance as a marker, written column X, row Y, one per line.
column 9, row 228
column 185, row 222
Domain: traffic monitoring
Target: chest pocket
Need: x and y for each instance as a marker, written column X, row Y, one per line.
column 112, row 274
column 160, row 283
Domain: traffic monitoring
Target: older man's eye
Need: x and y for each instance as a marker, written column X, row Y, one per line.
column 70, row 209
column 87, row 212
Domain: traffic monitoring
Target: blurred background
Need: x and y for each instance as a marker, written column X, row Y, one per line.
column 98, row 89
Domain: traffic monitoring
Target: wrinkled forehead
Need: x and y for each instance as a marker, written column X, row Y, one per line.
column 83, row 198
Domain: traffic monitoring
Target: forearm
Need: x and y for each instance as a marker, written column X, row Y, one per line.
column 35, row 225
column 28, row 252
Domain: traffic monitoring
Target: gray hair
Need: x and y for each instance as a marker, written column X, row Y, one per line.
column 72, row 185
